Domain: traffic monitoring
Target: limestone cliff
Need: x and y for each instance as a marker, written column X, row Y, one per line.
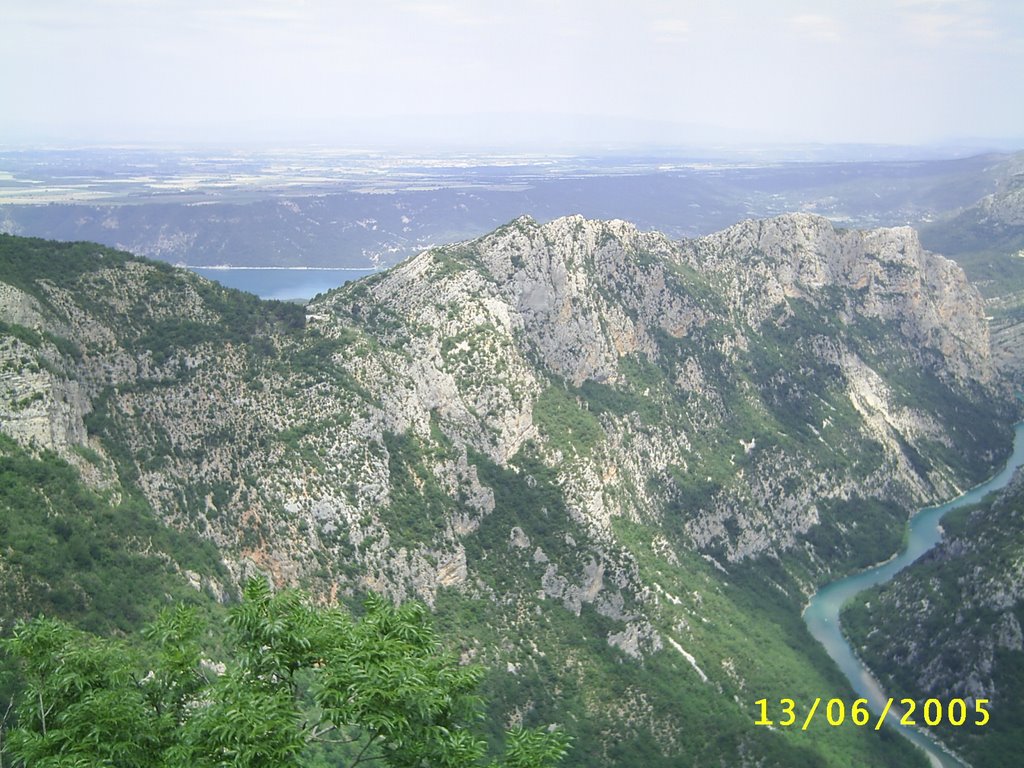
column 569, row 427
column 987, row 239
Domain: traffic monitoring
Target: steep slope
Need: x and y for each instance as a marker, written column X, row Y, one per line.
column 950, row 626
column 995, row 224
column 614, row 464
column 987, row 239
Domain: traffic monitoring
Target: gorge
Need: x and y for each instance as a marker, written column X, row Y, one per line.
column 613, row 464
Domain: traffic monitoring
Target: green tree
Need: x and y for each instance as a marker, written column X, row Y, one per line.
column 298, row 679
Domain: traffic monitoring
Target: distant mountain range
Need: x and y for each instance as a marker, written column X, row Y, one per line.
column 262, row 211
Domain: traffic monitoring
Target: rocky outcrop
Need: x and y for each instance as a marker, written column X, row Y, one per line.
column 43, row 404
column 470, row 343
column 535, row 419
column 1006, row 207
column 882, row 274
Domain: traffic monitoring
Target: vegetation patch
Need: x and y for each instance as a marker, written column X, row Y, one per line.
column 566, row 421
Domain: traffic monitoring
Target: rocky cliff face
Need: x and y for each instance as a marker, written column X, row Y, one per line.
column 987, row 239
column 494, row 324
column 566, row 427
column 1006, row 207
column 884, row 275
column 43, row 408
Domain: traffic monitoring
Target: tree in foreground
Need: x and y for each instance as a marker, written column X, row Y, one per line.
column 302, row 685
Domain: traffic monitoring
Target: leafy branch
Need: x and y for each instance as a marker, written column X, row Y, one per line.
column 380, row 689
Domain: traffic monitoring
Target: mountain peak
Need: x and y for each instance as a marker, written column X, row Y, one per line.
column 557, row 430
column 587, row 293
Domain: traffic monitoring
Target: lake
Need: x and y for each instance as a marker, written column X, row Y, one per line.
column 281, row 282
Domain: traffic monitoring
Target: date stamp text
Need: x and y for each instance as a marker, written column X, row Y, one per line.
column 786, row 713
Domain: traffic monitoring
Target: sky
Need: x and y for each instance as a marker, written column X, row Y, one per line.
column 474, row 73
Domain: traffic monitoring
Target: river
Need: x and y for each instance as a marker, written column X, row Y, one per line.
column 822, row 613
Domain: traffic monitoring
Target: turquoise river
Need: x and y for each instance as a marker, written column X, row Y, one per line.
column 822, row 613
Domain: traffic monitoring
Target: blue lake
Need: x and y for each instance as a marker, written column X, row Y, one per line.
column 282, row 283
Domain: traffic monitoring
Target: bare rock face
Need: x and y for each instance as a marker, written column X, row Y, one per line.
column 20, row 308
column 988, row 239
column 737, row 390
column 535, row 421
column 1005, row 207
column 560, row 280
column 883, row 274
column 42, row 405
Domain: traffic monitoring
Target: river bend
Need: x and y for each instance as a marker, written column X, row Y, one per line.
column 822, row 613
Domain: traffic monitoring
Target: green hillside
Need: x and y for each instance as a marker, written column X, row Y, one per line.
column 612, row 465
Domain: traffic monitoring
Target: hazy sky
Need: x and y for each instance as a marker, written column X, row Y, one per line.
column 558, row 71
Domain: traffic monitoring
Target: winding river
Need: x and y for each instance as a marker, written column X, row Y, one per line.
column 822, row 613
